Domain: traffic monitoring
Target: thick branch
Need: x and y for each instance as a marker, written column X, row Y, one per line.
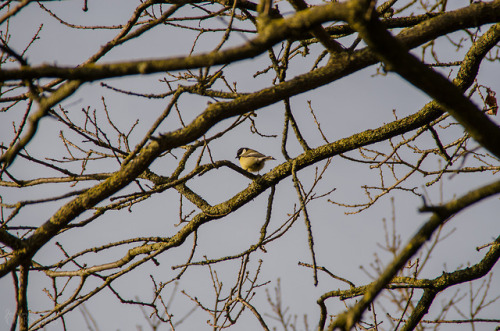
column 441, row 214
column 273, row 32
column 446, row 280
column 220, row 111
column 398, row 59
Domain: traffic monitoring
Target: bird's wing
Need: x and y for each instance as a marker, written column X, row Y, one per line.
column 252, row 154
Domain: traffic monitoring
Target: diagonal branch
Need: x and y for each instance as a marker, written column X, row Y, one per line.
column 398, row 59
column 275, row 31
column 220, row 111
column 44, row 106
column 446, row 280
column 441, row 214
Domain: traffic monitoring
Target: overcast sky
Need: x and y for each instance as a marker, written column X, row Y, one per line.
column 353, row 104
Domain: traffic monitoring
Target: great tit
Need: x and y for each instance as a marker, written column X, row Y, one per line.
column 251, row 160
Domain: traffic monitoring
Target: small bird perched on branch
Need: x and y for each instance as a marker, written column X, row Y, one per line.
column 251, row 160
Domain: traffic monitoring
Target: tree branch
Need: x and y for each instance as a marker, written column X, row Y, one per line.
column 346, row 320
column 398, row 59
column 275, row 31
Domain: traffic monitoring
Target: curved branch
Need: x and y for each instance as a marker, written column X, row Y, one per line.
column 272, row 33
column 440, row 215
column 217, row 112
column 44, row 105
column 446, row 280
column 398, row 59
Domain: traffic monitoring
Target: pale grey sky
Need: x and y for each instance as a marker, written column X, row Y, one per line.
column 350, row 105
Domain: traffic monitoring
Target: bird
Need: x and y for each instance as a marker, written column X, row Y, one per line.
column 251, row 160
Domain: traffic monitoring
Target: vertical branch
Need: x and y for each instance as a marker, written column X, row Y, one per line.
column 264, row 7
column 22, row 296
column 284, row 138
column 296, row 184
column 295, row 127
column 263, row 229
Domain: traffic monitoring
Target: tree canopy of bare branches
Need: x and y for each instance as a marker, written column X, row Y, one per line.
column 120, row 193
